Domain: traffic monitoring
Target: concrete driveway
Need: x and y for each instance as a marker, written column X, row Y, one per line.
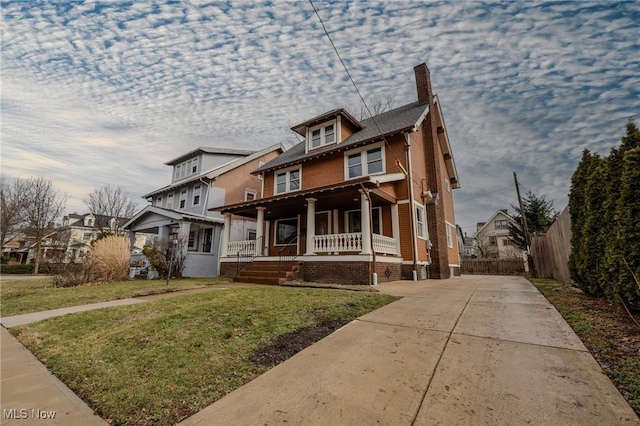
column 475, row 350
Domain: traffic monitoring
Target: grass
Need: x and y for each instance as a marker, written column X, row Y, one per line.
column 159, row 362
column 605, row 329
column 27, row 296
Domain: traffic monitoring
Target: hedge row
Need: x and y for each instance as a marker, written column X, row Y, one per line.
column 604, row 205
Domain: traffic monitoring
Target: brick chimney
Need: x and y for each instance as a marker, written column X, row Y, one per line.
column 423, row 82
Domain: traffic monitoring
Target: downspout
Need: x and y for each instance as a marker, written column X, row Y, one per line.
column 412, row 219
column 206, row 196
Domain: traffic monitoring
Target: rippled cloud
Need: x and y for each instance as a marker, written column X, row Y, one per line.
column 93, row 92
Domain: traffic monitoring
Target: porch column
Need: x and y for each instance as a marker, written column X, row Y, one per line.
column 226, row 234
column 395, row 226
column 336, row 228
column 365, row 223
column 311, row 224
column 267, row 233
column 260, row 231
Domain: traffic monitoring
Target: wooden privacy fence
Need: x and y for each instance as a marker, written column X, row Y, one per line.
column 551, row 251
column 493, row 266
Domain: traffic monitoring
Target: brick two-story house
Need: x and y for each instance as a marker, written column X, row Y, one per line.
column 357, row 197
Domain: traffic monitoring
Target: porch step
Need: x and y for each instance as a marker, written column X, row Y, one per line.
column 260, row 280
column 266, row 273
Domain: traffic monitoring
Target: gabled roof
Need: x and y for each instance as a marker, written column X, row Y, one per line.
column 493, row 217
column 404, row 118
column 301, row 128
column 171, row 214
column 219, row 170
column 208, row 150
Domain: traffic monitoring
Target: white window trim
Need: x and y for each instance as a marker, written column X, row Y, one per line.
column 159, row 201
column 250, row 191
column 275, row 230
column 197, row 192
column 183, row 192
column 450, row 232
column 447, row 185
column 425, row 229
column 288, row 170
column 170, row 199
column 321, row 127
column 365, row 167
column 185, row 169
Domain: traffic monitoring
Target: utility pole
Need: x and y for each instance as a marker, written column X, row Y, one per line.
column 522, row 213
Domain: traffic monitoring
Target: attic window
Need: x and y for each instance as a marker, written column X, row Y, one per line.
column 324, row 134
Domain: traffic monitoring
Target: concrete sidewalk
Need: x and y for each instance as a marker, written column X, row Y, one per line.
column 476, row 350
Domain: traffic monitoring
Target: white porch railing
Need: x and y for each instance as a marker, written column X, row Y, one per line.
column 382, row 244
column 337, row 242
column 352, row 242
column 331, row 243
column 244, row 248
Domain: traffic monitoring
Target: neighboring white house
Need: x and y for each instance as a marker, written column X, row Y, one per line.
column 202, row 179
column 492, row 237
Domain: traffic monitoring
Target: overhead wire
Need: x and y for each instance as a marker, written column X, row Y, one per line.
column 335, row 49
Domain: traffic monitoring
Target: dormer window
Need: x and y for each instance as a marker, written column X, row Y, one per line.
column 185, row 169
column 324, row 134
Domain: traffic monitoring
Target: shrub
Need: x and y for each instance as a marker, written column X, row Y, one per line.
column 26, row 268
column 71, row 276
column 108, row 259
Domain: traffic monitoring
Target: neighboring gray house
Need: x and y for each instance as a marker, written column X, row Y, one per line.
column 202, row 179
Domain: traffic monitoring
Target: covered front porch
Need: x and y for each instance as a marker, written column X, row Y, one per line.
column 354, row 223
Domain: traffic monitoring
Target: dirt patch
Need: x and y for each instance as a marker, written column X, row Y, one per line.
column 287, row 345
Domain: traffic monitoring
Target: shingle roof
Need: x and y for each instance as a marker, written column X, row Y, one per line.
column 209, row 150
column 402, row 118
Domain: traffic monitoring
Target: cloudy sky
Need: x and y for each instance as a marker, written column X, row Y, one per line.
column 96, row 93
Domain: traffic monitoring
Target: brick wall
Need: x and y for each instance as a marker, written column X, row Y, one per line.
column 349, row 272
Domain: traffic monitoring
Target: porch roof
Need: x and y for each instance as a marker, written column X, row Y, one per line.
column 170, row 214
column 343, row 195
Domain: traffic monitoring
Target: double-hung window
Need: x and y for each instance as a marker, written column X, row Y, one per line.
column 196, row 195
column 364, row 162
column 183, row 198
column 287, row 180
column 322, row 135
column 421, row 222
column 170, row 201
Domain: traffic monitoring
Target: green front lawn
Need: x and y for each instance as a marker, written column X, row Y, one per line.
column 27, row 296
column 159, row 362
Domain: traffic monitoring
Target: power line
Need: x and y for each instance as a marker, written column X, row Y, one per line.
column 349, row 74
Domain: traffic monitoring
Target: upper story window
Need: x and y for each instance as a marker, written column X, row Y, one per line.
column 493, row 241
column 183, row 198
column 450, row 231
column 324, row 134
column 249, row 195
column 364, row 162
column 501, row 224
column 196, row 195
column 447, row 185
column 170, row 201
column 159, row 201
column 288, row 180
column 185, row 169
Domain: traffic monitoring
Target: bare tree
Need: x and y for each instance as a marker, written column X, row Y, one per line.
column 43, row 205
column 112, row 202
column 12, row 197
column 376, row 105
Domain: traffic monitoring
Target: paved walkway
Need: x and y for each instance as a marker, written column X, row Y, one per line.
column 471, row 351
column 466, row 351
